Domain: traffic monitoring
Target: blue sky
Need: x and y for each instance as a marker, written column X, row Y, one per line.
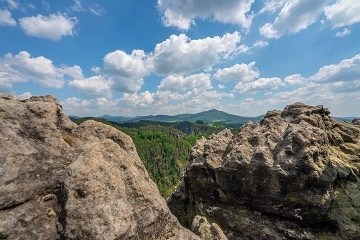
column 134, row 58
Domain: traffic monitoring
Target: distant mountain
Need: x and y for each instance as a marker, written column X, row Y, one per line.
column 211, row 116
column 156, row 118
column 216, row 116
column 116, row 118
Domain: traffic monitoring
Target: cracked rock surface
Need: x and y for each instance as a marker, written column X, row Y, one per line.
column 294, row 175
column 63, row 181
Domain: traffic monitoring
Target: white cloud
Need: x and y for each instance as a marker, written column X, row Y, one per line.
column 343, row 33
column 346, row 70
column 75, row 72
column 126, row 71
column 182, row 14
column 167, row 102
column 176, row 83
column 97, row 10
column 180, row 55
column 295, row 16
column 25, row 95
column 12, row 4
column 343, row 13
column 260, row 44
column 23, row 68
column 260, row 84
column 6, row 19
column 125, row 65
column 294, row 79
column 96, row 86
column 221, row 86
column 53, row 27
column 238, row 73
column 272, row 5
column 175, row 57
column 268, row 30
column 77, row 6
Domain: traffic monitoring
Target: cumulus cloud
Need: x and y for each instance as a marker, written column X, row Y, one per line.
column 6, row 19
column 343, row 13
column 169, row 102
column 126, row 65
column 74, row 72
column 125, row 71
column 180, row 54
column 92, row 87
column 346, row 70
column 343, row 33
column 175, row 57
column 294, row 79
column 295, row 16
column 12, row 4
column 23, row 68
column 178, row 83
column 260, row 84
column 238, row 73
column 182, row 14
column 52, row 27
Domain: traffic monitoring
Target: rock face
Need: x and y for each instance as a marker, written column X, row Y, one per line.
column 294, row 175
column 63, row 181
column 201, row 227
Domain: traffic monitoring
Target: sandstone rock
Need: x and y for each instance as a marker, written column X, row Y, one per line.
column 200, row 226
column 63, row 181
column 356, row 121
column 294, row 175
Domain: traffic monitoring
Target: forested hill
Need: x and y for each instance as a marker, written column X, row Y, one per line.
column 212, row 116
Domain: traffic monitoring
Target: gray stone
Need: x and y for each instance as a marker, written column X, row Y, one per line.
column 294, row 175
column 63, row 181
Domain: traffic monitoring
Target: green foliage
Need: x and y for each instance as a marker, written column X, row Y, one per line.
column 164, row 150
column 199, row 121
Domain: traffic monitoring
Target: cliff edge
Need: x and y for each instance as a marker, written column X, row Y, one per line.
column 294, row 175
column 63, row 181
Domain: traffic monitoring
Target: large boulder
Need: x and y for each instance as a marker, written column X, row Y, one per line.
column 63, row 181
column 294, row 175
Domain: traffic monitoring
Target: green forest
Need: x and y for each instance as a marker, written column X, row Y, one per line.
column 164, row 148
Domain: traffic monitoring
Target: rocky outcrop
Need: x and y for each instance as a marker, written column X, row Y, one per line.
column 63, row 181
column 201, row 227
column 294, row 175
column 356, row 121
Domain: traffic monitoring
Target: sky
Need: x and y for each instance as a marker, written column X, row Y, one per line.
column 132, row 58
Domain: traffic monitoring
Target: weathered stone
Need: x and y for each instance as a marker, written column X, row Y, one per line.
column 294, row 175
column 200, row 226
column 63, row 181
column 356, row 121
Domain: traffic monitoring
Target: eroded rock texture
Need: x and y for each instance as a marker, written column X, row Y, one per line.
column 294, row 175
column 63, row 181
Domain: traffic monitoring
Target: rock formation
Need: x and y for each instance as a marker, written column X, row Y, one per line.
column 63, row 181
column 356, row 121
column 294, row 175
